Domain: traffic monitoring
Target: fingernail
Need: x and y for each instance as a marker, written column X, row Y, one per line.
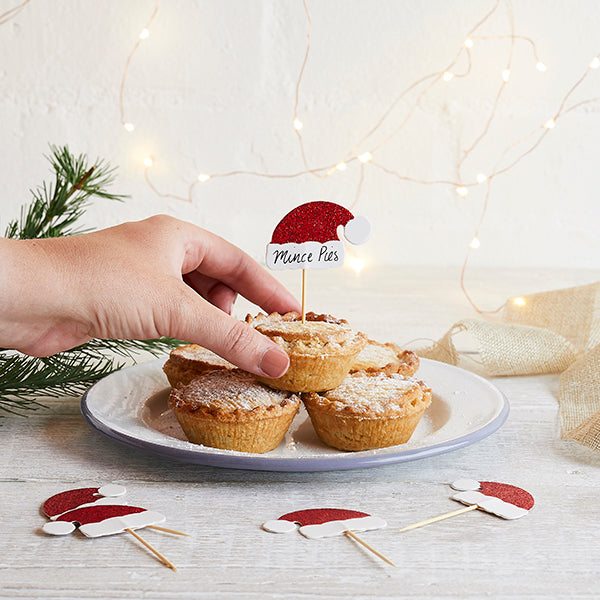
column 274, row 363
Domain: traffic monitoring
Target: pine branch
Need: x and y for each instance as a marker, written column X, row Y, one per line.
column 128, row 348
column 56, row 207
column 54, row 211
column 23, row 378
column 69, row 373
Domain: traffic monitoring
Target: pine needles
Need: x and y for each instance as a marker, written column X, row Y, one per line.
column 25, row 378
column 54, row 211
column 56, row 207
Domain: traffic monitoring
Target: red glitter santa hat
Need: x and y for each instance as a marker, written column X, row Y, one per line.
column 318, row 222
column 92, row 496
column 501, row 499
column 324, row 522
column 96, row 512
column 307, row 237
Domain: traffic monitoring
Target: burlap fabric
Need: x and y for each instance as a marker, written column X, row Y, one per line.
column 550, row 332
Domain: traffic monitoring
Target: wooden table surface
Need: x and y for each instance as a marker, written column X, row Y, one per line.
column 553, row 552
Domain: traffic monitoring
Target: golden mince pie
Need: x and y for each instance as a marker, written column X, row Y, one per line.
column 387, row 357
column 321, row 349
column 190, row 361
column 368, row 410
column 229, row 409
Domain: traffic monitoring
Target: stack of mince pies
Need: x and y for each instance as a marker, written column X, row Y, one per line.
column 360, row 394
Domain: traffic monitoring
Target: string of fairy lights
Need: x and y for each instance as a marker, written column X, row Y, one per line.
column 364, row 153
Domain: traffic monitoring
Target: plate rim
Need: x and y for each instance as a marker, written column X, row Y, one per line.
column 260, row 462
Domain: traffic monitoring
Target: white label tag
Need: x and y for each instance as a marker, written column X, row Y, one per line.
column 308, row 255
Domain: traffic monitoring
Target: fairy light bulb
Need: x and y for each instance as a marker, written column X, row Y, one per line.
column 148, row 162
column 365, row 158
column 519, row 301
column 540, row 66
column 144, row 33
column 298, row 125
column 468, row 43
column 357, row 264
column 341, row 166
column 474, row 243
column 129, row 127
column 595, row 63
column 506, row 75
column 549, row 124
column 462, row 191
column 481, row 178
column 203, row 177
column 447, row 76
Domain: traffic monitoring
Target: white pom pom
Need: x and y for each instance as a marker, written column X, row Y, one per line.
column 279, row 526
column 112, row 490
column 58, row 527
column 357, row 230
column 465, row 485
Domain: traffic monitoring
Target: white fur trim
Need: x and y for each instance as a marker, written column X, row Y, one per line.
column 119, row 524
column 308, row 255
column 490, row 504
column 338, row 527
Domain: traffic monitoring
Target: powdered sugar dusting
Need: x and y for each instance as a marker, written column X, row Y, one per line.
column 231, row 390
column 198, row 353
column 375, row 355
column 374, row 393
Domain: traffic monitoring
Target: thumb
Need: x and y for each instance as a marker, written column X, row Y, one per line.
column 200, row 322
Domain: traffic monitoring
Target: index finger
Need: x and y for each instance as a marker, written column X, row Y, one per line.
column 217, row 258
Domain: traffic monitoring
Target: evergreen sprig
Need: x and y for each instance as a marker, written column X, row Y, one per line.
column 57, row 206
column 54, row 211
column 25, row 378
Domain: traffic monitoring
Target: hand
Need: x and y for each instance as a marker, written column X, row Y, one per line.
column 141, row 280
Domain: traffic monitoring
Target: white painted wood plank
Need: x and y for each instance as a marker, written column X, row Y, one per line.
column 550, row 553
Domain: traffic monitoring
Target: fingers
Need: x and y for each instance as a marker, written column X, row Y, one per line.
column 217, row 293
column 216, row 258
column 199, row 322
column 221, row 296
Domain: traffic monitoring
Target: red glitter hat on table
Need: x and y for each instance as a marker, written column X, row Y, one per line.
column 307, row 237
column 324, row 522
column 95, row 511
column 501, row 499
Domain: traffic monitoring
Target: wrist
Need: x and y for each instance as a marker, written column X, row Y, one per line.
column 34, row 293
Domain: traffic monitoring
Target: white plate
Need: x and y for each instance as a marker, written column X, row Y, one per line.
column 130, row 406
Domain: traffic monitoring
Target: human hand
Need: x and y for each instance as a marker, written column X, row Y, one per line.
column 141, row 280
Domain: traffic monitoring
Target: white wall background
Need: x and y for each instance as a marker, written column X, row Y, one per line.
column 212, row 90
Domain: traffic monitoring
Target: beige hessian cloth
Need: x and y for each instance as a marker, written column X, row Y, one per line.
column 549, row 332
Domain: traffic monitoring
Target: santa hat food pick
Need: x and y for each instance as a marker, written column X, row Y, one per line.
column 99, row 512
column 307, row 237
column 65, row 502
column 315, row 523
column 500, row 499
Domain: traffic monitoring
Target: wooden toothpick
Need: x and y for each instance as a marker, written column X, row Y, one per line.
column 173, row 531
column 165, row 560
column 352, row 535
column 454, row 513
column 303, row 296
